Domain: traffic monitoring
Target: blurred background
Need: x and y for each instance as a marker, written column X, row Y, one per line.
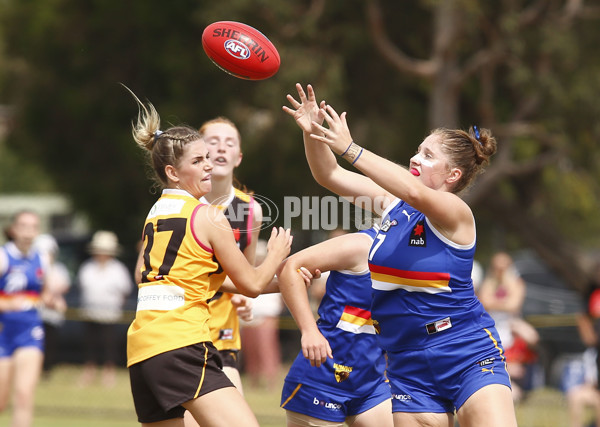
column 528, row 70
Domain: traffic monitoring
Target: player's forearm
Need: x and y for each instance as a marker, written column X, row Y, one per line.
column 294, row 293
column 321, row 160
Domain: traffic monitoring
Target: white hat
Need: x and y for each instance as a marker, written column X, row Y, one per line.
column 104, row 243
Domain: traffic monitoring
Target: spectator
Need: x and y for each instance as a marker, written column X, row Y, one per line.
column 58, row 282
column 261, row 356
column 502, row 293
column 104, row 282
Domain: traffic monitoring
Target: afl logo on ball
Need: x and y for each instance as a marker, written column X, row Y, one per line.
column 237, row 49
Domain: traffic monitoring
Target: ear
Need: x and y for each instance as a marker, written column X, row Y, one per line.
column 239, row 160
column 454, row 176
column 171, row 173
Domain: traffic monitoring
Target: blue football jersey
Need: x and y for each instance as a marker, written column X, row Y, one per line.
column 422, row 287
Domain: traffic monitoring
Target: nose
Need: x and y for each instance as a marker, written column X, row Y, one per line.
column 221, row 146
column 209, row 165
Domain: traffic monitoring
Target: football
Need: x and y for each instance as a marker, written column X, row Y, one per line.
column 240, row 50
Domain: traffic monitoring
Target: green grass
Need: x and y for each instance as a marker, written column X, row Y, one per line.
column 61, row 402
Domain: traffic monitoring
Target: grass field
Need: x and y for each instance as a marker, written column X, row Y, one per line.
column 61, row 402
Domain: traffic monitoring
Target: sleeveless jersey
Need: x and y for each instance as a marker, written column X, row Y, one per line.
column 224, row 322
column 358, row 364
column 180, row 275
column 23, row 278
column 422, row 287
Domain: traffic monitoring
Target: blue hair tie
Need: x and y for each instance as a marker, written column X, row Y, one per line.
column 476, row 130
column 156, row 135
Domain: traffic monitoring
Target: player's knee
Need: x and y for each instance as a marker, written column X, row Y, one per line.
column 22, row 398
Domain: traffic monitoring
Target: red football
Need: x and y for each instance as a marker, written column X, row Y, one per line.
column 240, row 50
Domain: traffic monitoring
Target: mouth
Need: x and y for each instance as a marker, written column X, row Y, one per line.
column 207, row 178
column 221, row 161
column 415, row 172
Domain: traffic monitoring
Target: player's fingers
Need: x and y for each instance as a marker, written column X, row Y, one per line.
column 293, row 101
column 332, row 112
column 300, row 91
column 288, row 110
column 320, row 128
column 311, row 92
column 325, row 112
column 319, row 138
column 343, row 119
column 305, row 352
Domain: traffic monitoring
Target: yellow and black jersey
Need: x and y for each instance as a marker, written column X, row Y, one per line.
column 224, row 323
column 179, row 276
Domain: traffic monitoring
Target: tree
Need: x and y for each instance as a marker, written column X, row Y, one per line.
column 518, row 68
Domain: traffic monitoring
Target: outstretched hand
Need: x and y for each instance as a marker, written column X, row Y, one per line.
column 307, row 110
column 337, row 135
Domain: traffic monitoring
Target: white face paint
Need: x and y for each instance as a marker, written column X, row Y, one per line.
column 422, row 160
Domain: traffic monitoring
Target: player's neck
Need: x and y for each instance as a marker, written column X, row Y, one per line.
column 221, row 188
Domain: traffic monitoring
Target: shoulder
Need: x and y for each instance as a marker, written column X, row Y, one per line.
column 208, row 211
column 207, row 220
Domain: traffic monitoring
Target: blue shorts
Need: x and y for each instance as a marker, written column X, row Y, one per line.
column 18, row 330
column 330, row 406
column 440, row 379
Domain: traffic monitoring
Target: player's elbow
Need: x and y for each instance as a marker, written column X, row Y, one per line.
column 252, row 293
column 247, row 288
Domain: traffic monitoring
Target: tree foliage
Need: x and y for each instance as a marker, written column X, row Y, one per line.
column 525, row 69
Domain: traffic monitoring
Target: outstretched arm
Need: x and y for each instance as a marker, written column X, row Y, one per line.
column 211, row 226
column 322, row 161
column 448, row 212
column 347, row 252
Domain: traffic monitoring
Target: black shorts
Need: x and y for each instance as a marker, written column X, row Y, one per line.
column 162, row 383
column 230, row 358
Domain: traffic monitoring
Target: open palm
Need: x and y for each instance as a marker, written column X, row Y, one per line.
column 307, row 110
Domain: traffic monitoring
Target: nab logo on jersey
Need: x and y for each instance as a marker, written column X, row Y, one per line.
column 417, row 235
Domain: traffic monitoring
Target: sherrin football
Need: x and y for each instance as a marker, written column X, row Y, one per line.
column 240, row 50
